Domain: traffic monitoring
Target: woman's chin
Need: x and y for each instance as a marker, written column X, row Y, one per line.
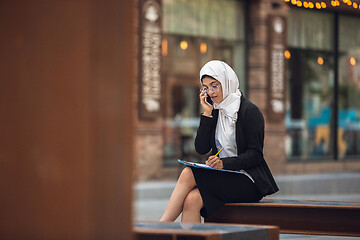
column 215, row 100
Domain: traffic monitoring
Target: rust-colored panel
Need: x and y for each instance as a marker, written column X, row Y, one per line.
column 66, row 70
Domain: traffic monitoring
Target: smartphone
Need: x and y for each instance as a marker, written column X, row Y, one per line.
column 208, row 100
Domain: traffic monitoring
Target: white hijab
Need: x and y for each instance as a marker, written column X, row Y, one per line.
column 225, row 134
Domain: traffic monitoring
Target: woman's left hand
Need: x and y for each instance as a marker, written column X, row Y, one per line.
column 214, row 162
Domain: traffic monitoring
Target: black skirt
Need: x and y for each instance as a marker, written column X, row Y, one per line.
column 219, row 187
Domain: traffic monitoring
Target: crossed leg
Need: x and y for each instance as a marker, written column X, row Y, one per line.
column 185, row 198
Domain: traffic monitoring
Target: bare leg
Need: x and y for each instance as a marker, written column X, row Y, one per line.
column 184, row 185
column 192, row 206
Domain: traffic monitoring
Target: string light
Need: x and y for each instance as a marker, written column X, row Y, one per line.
column 335, row 3
column 322, row 4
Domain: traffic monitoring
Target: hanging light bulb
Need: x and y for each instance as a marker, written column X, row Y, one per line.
column 318, row 5
column 352, row 61
column 306, row 4
column 323, row 4
column 287, row 54
column 311, row 5
column 203, row 47
column 299, row 3
column 164, row 47
column 320, row 61
column 183, row 45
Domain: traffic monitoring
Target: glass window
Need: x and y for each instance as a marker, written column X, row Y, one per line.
column 349, row 87
column 195, row 32
column 310, row 82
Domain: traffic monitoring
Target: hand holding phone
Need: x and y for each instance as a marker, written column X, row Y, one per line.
column 206, row 102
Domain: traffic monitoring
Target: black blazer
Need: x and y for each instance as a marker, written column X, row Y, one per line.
column 249, row 141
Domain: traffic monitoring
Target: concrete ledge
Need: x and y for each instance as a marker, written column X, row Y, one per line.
column 326, row 183
column 346, row 184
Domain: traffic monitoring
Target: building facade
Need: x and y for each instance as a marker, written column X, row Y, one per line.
column 298, row 61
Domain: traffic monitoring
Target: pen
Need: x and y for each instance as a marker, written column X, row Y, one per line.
column 218, row 152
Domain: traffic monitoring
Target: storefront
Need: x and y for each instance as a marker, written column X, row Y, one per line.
column 299, row 65
column 323, row 104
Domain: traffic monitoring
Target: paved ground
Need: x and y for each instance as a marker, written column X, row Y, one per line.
column 151, row 197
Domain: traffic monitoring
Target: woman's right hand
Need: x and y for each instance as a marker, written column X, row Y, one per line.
column 207, row 108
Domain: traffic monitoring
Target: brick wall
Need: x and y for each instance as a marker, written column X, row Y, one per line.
column 274, row 151
column 148, row 133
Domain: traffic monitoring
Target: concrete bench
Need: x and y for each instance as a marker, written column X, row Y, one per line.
column 295, row 216
column 179, row 231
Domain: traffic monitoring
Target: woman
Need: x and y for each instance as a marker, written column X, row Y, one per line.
column 236, row 125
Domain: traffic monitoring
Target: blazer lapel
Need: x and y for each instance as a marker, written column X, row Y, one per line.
column 215, row 116
column 240, row 134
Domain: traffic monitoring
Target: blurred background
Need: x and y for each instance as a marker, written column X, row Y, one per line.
column 298, row 61
column 98, row 100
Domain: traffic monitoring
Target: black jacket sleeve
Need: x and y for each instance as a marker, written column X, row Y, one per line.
column 203, row 135
column 251, row 154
